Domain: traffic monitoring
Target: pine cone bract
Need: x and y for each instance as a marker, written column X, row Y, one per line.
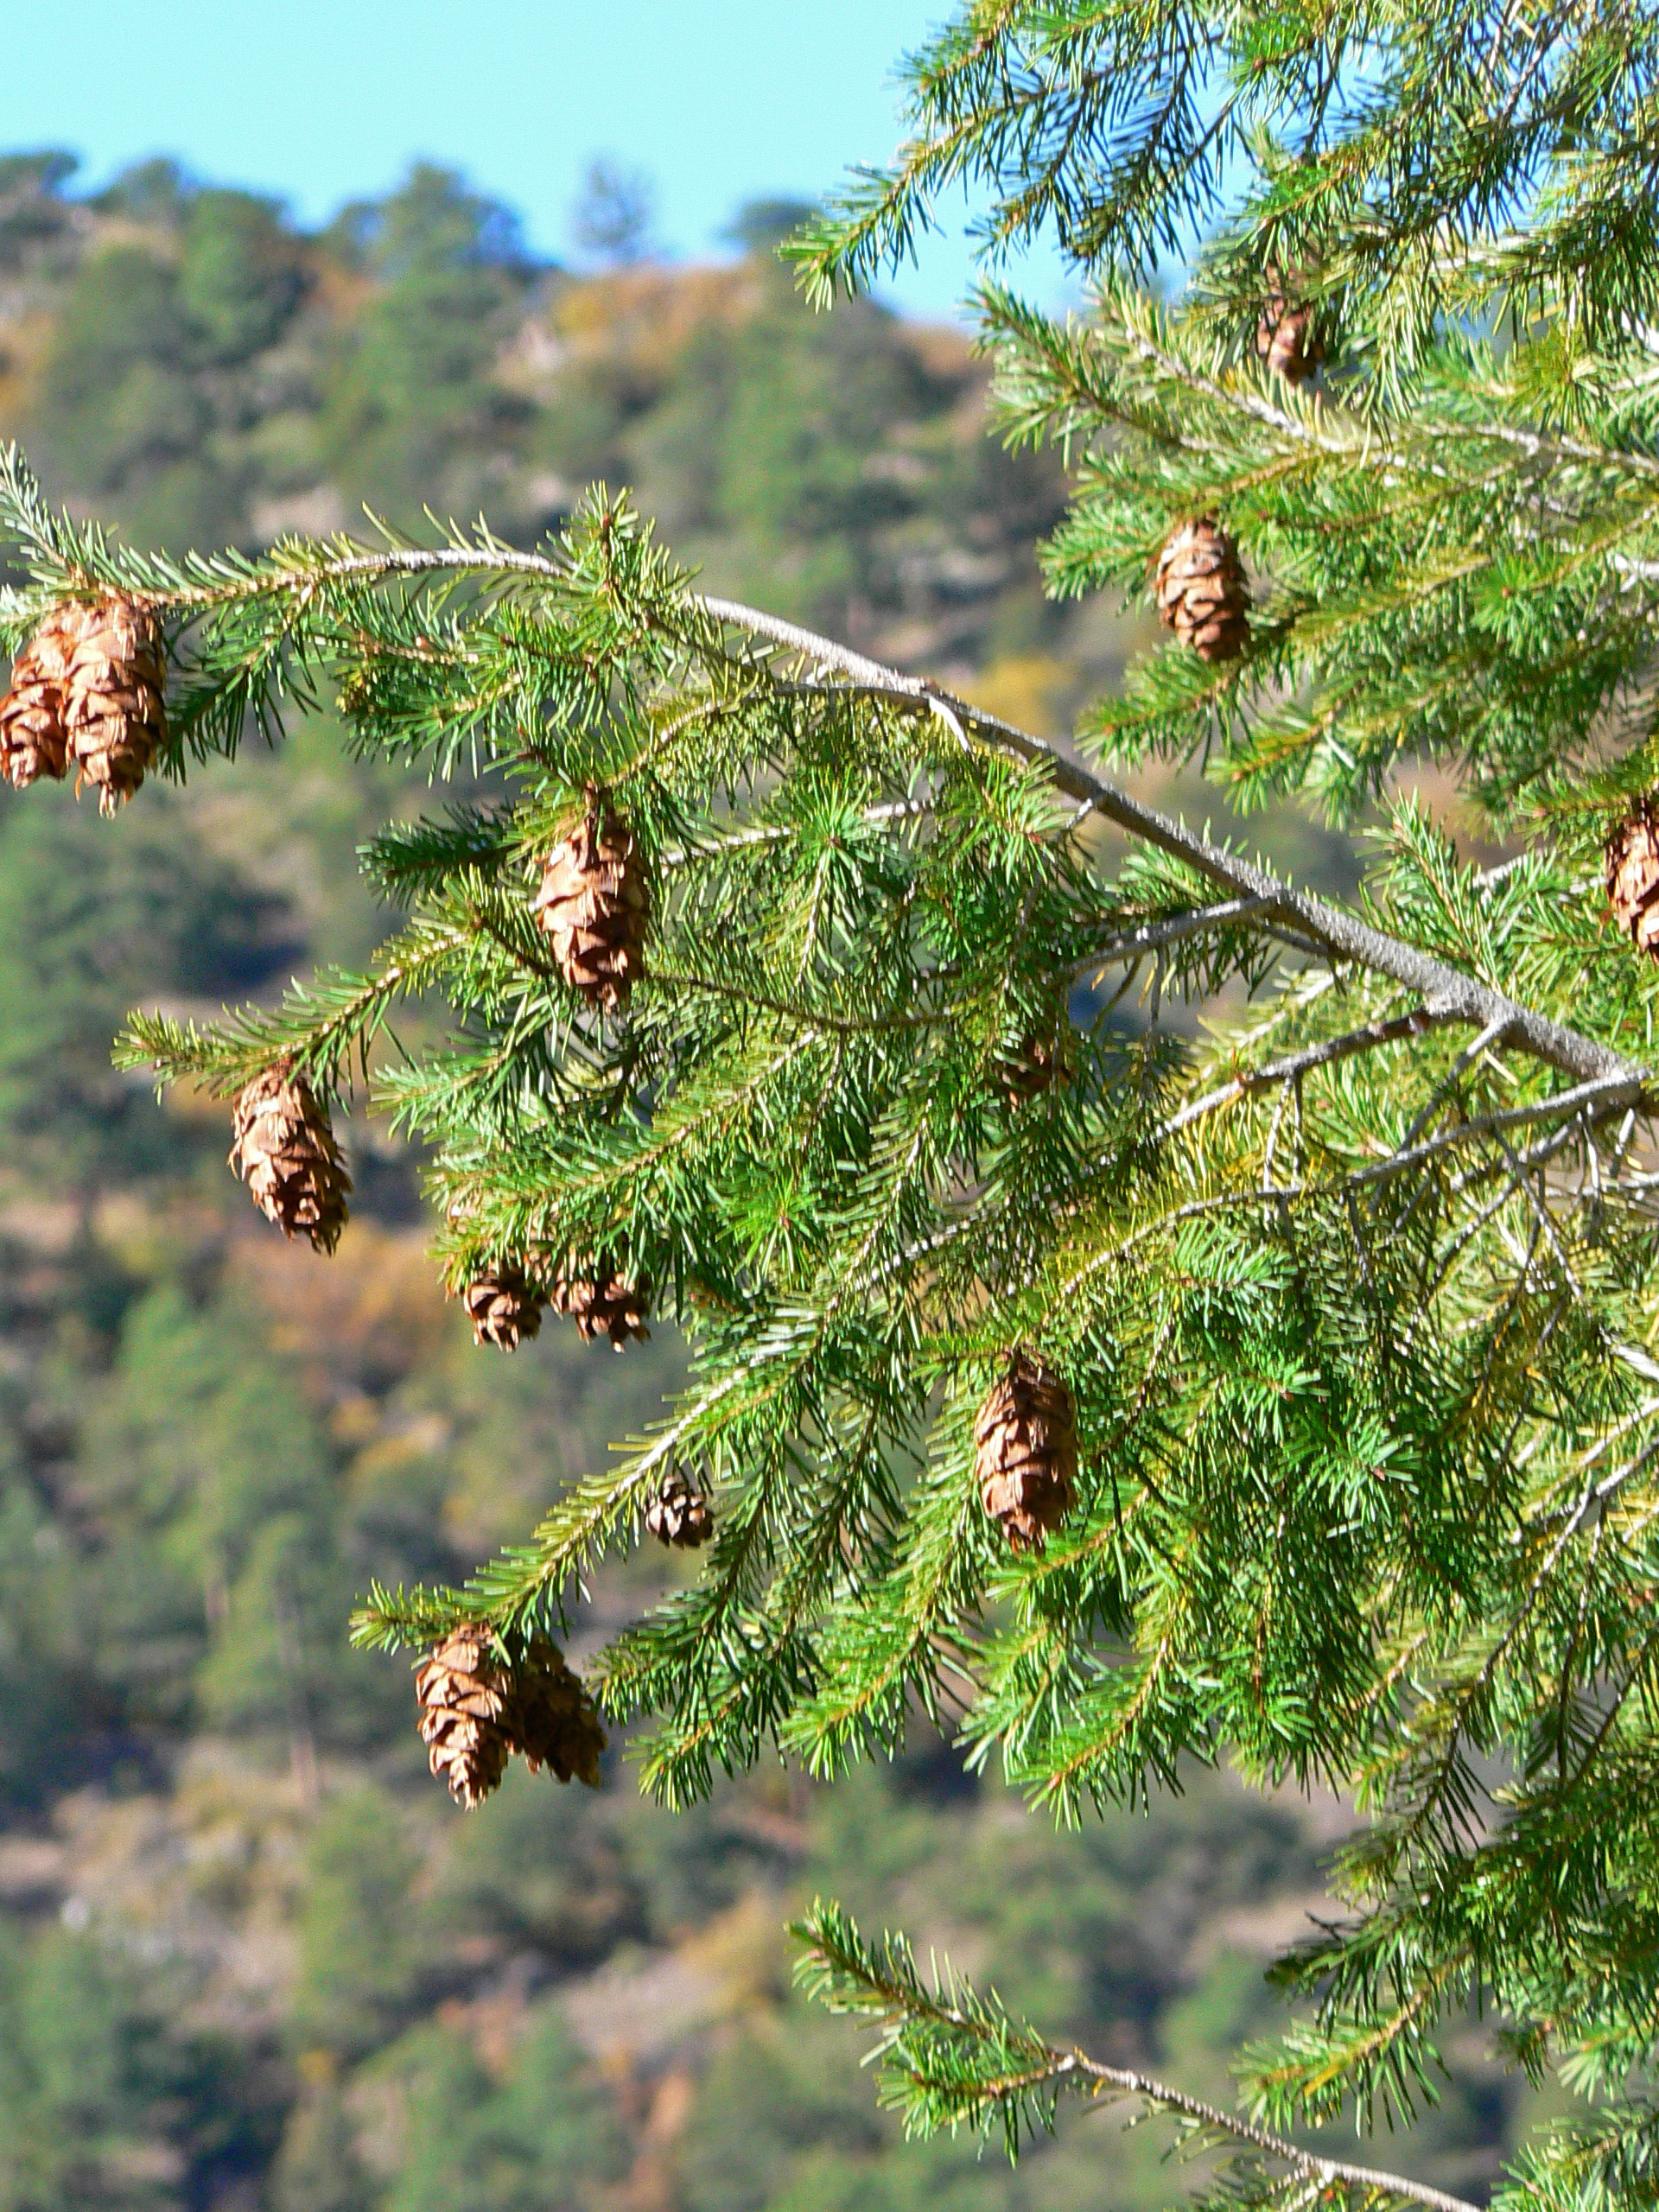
column 283, row 1149
column 1025, row 1452
column 1201, row 594
column 595, row 904
column 114, row 711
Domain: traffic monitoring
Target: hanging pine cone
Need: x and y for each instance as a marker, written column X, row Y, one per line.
column 466, row 1699
column 283, row 1149
column 555, row 1723
column 595, row 905
column 1201, row 594
column 477, row 1709
column 1284, row 337
column 32, row 740
column 1026, row 1453
column 679, row 1514
column 1042, row 1061
column 604, row 1304
column 114, row 711
column 503, row 1308
column 1633, row 876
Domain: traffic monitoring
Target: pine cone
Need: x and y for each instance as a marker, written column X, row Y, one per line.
column 1026, row 1453
column 284, row 1150
column 1633, row 876
column 595, row 905
column 1202, row 595
column 114, row 710
column 601, row 1304
column 503, row 1308
column 1042, row 1061
column 555, row 1722
column 679, row 1514
column 465, row 1697
column 1285, row 338
column 32, row 740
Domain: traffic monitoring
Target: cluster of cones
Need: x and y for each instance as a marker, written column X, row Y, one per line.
column 594, row 904
column 505, row 1306
column 480, row 1706
column 88, row 688
column 1199, row 582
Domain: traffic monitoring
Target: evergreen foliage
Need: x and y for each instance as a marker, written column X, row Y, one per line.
column 1352, row 1299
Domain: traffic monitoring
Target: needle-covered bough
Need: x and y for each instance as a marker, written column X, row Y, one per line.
column 1289, row 1398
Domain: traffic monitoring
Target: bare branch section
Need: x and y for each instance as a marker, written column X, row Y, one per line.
column 1326, row 2173
column 1365, row 1040
column 1447, row 993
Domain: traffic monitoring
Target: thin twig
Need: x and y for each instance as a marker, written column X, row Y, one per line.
column 1366, row 1039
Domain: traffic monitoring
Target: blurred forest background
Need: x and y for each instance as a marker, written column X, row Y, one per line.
column 251, row 1958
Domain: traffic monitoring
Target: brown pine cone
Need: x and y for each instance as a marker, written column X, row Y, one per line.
column 283, row 1149
column 1201, row 594
column 604, row 1304
column 679, row 1514
column 466, row 1700
column 1026, row 1453
column 595, row 905
column 32, row 740
column 1285, row 338
column 1633, row 876
column 114, row 710
column 555, row 1723
column 1042, row 1062
column 503, row 1308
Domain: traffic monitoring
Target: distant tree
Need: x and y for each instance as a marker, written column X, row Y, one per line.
column 612, row 218
column 156, row 190
column 413, row 380
column 82, row 919
column 360, row 1959
column 760, row 226
column 117, row 402
column 241, row 273
column 26, row 176
column 31, row 204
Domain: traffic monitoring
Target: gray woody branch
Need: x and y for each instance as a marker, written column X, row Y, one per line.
column 1447, row 993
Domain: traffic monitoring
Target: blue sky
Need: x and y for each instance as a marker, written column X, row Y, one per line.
column 320, row 101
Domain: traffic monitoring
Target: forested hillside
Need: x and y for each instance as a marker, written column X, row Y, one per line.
column 250, row 1955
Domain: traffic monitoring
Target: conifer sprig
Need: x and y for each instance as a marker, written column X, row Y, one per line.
column 952, row 2058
